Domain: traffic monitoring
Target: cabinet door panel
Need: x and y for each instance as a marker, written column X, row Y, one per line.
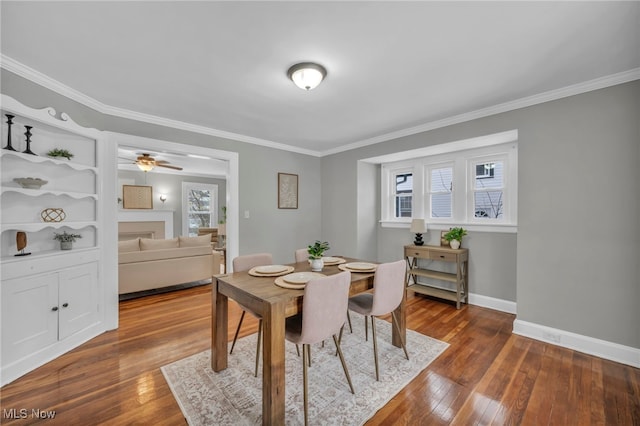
column 78, row 298
column 29, row 322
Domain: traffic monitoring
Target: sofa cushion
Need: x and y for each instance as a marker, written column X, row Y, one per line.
column 129, row 245
column 203, row 240
column 153, row 244
column 163, row 254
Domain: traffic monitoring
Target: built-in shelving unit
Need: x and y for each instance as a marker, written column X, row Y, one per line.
column 52, row 299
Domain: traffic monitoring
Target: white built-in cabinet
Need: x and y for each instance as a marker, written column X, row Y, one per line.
column 52, row 299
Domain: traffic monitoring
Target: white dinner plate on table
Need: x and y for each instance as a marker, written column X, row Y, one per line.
column 301, row 277
column 270, row 270
column 329, row 261
column 358, row 267
column 298, row 280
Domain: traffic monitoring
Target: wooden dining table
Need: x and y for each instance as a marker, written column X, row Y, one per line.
column 274, row 304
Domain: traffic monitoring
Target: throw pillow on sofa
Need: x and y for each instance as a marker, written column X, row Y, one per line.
column 129, row 245
column 203, row 240
column 153, row 244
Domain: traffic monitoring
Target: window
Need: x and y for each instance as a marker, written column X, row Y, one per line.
column 440, row 191
column 403, row 194
column 472, row 183
column 200, row 202
column 488, row 190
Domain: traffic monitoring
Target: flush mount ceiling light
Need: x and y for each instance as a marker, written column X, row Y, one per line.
column 307, row 75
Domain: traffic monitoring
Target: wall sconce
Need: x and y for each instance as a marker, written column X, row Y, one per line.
column 163, row 198
column 418, row 227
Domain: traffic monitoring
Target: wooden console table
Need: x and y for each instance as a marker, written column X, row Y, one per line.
column 438, row 254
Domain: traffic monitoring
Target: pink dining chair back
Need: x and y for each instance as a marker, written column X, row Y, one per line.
column 388, row 287
column 302, row 255
column 246, row 262
column 324, row 307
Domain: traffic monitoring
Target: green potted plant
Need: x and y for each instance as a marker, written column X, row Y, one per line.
column 57, row 152
column 316, row 251
column 222, row 226
column 66, row 239
column 454, row 236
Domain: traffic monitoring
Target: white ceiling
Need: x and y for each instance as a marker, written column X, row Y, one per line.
column 391, row 65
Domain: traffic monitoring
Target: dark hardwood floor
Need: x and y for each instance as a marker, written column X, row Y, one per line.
column 487, row 376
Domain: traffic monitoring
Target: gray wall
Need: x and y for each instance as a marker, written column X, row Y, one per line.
column 574, row 262
column 268, row 228
column 171, row 185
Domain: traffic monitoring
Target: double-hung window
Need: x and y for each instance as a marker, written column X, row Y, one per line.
column 403, row 190
column 440, row 190
column 463, row 185
column 199, row 207
column 487, row 195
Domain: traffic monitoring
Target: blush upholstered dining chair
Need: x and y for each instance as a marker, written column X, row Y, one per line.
column 302, row 255
column 324, row 312
column 245, row 263
column 388, row 291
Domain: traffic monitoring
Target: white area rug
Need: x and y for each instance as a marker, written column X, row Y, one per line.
column 234, row 396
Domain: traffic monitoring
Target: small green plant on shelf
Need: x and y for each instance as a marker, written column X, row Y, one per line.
column 65, row 237
column 57, row 152
column 224, row 215
column 316, row 251
column 455, row 234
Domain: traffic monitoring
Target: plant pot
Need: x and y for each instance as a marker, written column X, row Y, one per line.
column 316, row 264
column 66, row 245
column 455, row 244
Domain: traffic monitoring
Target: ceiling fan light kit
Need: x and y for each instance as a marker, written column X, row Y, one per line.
column 307, row 75
column 145, row 167
column 146, row 163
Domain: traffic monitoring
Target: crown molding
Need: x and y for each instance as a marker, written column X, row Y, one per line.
column 575, row 89
column 37, row 77
column 43, row 80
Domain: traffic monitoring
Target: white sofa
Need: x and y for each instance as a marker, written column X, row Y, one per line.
column 145, row 263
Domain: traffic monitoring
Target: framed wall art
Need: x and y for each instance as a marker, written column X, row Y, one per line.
column 137, row 197
column 287, row 191
column 443, row 241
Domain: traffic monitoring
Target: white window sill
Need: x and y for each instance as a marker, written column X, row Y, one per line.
column 474, row 227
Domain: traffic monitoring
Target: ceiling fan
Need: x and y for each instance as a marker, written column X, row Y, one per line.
column 146, row 162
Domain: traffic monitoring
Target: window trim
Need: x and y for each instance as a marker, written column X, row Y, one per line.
column 186, row 187
column 463, row 154
column 427, row 168
column 390, row 189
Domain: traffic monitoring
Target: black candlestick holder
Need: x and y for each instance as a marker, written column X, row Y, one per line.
column 28, row 135
column 9, row 123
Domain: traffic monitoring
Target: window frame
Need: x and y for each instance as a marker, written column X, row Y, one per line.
column 213, row 213
column 390, row 190
column 428, row 208
column 464, row 157
column 506, row 193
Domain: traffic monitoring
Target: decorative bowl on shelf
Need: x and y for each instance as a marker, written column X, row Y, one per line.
column 30, row 183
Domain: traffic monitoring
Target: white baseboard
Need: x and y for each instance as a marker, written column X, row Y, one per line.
column 589, row 345
column 492, row 303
